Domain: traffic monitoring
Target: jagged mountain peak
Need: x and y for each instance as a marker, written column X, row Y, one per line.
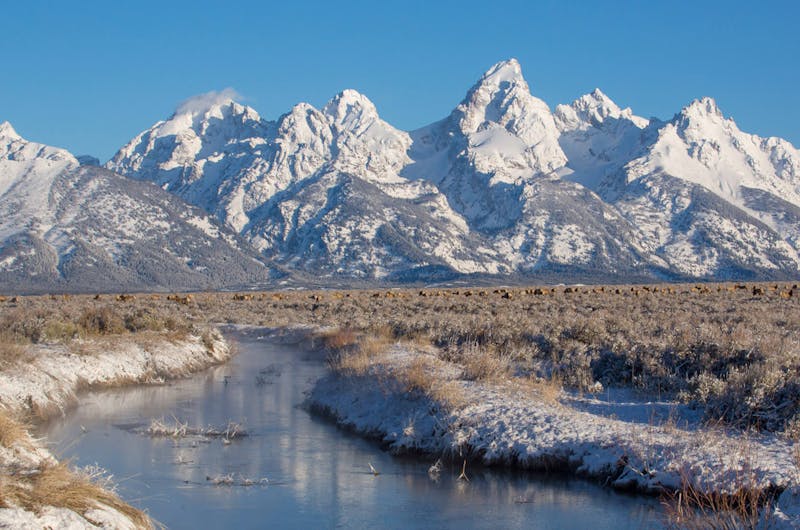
column 700, row 110
column 210, row 110
column 597, row 104
column 205, row 128
column 16, row 149
column 500, row 111
column 349, row 97
column 704, row 105
column 302, row 108
column 351, row 110
column 591, row 110
column 500, row 96
column 702, row 122
column 508, row 71
column 207, row 102
column 7, row 132
column 597, row 94
column 303, row 117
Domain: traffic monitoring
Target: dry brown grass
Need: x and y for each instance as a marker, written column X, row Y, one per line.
column 338, row 339
column 743, row 504
column 542, row 389
column 691, row 509
column 11, row 354
column 481, row 363
column 352, row 353
column 372, row 346
column 450, row 394
column 53, row 484
column 422, row 375
column 57, row 485
column 419, row 375
column 720, row 346
column 48, row 319
column 796, row 462
column 208, row 338
column 12, row 432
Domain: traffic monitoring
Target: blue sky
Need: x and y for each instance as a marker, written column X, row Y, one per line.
column 89, row 78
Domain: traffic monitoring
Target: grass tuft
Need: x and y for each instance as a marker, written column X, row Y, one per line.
column 57, row 485
column 11, row 354
column 12, row 432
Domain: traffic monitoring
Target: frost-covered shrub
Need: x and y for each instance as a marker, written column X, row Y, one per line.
column 792, row 431
column 611, row 369
column 101, row 321
column 481, row 363
column 572, row 365
column 708, row 357
column 702, row 388
column 765, row 397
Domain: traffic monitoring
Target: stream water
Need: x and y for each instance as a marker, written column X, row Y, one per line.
column 302, row 471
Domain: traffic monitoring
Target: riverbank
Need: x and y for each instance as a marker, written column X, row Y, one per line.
column 37, row 491
column 721, row 359
column 414, row 401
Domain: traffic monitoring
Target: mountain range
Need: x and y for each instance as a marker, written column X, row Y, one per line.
column 503, row 188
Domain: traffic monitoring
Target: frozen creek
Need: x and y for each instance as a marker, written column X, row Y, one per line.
column 296, row 470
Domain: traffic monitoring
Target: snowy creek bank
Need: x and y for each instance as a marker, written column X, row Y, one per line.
column 47, row 385
column 500, row 423
column 295, row 469
column 49, row 382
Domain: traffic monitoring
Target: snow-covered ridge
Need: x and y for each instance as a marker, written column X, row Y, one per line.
column 501, row 185
column 68, row 226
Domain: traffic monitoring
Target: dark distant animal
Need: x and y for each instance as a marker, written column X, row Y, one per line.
column 184, row 300
column 239, row 297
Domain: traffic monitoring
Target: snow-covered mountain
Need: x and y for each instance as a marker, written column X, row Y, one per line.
column 338, row 191
column 501, row 186
column 498, row 160
column 317, row 190
column 497, row 140
column 67, row 227
column 711, row 200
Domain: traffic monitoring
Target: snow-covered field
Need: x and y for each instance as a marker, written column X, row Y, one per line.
column 48, row 384
column 624, row 443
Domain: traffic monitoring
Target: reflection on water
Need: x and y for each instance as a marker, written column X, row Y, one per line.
column 319, row 477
